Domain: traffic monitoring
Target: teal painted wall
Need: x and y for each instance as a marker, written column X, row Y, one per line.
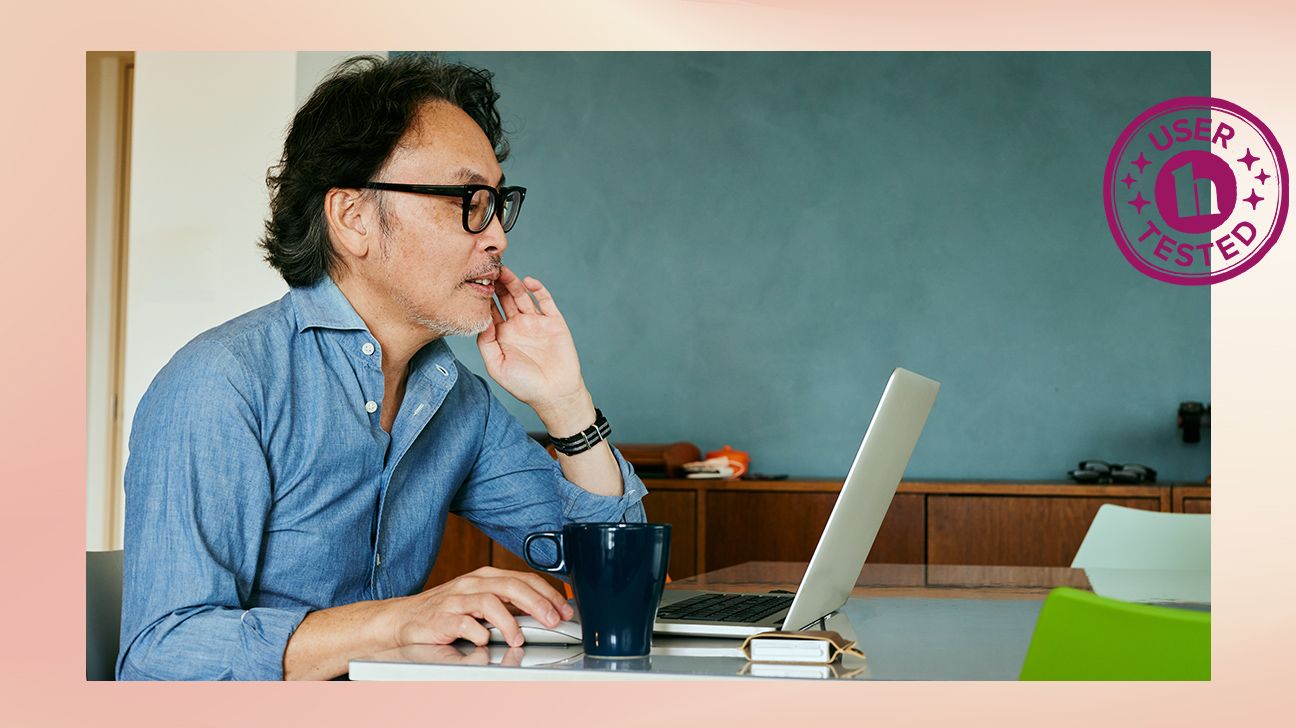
column 745, row 244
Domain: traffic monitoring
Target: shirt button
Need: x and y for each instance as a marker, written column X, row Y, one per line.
column 368, row 349
column 371, row 406
column 444, row 372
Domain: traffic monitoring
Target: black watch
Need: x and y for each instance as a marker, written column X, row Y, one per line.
column 585, row 439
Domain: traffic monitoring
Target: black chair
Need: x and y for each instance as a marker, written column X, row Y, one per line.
column 103, row 613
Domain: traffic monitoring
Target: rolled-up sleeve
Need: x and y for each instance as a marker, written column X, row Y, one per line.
column 198, row 496
column 516, row 488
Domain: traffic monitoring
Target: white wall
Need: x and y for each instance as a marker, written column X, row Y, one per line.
column 206, row 128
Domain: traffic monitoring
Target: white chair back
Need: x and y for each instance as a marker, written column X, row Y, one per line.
column 1129, row 538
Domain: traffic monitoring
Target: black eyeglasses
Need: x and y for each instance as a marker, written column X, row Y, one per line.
column 480, row 202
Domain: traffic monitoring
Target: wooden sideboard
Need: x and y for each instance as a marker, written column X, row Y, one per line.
column 1190, row 499
column 722, row 523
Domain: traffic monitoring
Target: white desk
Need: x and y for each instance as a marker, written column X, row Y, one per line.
column 912, row 622
column 672, row 658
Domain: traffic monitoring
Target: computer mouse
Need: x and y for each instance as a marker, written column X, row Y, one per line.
column 535, row 633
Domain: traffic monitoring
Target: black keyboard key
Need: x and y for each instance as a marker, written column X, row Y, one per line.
column 726, row 607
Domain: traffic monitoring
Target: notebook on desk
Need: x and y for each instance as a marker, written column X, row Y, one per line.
column 844, row 545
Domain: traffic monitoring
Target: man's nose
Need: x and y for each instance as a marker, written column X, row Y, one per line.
column 493, row 239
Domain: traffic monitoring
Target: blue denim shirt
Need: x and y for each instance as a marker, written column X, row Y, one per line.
column 260, row 486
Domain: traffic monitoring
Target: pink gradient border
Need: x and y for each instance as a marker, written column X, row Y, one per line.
column 43, row 436
column 1113, row 218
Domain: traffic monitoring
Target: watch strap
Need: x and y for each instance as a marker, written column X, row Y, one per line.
column 585, row 439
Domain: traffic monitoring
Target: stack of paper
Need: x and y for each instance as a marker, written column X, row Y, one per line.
column 712, row 468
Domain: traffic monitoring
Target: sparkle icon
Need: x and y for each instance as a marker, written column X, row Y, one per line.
column 1138, row 202
column 1254, row 199
column 1262, row 176
column 1141, row 162
column 1249, row 159
column 1129, row 180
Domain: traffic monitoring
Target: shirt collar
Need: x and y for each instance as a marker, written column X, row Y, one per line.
column 322, row 304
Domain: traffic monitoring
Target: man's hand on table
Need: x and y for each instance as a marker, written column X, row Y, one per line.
column 457, row 608
column 326, row 640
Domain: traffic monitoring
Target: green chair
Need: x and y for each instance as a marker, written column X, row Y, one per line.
column 1083, row 636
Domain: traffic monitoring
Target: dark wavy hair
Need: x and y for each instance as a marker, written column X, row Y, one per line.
column 344, row 134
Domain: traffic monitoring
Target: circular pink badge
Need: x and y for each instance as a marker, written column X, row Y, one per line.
column 1195, row 191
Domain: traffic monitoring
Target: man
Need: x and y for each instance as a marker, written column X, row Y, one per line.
column 291, row 470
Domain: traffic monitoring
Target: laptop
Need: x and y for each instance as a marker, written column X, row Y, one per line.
column 846, row 540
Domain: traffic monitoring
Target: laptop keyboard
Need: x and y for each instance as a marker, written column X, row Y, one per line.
column 726, row 607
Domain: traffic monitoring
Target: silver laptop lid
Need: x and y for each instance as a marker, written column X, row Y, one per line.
column 865, row 498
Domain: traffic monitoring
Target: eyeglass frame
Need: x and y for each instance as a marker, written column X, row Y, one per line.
column 465, row 194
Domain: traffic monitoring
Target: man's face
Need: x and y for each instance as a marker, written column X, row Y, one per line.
column 427, row 260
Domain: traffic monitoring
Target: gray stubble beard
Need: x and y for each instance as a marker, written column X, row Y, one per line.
column 445, row 327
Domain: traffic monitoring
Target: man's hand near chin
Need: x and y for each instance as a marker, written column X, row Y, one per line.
column 326, row 640
column 528, row 350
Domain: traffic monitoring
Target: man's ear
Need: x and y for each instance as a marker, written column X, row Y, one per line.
column 352, row 221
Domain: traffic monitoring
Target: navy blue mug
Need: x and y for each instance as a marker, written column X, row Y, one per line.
column 617, row 571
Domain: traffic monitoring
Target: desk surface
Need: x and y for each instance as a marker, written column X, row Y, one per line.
column 1178, row 588
column 913, row 622
column 900, row 580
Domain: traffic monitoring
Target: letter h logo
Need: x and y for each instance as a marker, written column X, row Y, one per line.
column 1196, row 196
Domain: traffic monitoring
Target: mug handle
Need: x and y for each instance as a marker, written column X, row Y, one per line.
column 559, row 567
